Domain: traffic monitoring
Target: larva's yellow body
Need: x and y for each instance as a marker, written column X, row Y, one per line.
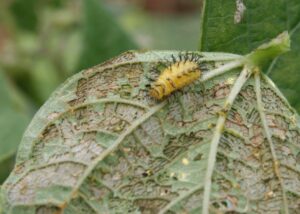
column 175, row 77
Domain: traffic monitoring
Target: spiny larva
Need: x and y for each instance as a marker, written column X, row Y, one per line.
column 179, row 74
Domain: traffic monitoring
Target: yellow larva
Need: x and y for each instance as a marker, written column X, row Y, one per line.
column 175, row 77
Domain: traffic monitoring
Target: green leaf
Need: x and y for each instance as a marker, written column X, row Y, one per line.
column 4, row 92
column 25, row 13
column 227, row 27
column 227, row 143
column 12, row 125
column 102, row 36
column 44, row 79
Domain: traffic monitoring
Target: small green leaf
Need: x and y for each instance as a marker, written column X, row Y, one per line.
column 285, row 70
column 267, row 52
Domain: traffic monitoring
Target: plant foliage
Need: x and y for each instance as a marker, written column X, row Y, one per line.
column 238, row 26
column 101, row 144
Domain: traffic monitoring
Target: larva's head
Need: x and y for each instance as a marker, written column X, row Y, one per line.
column 156, row 92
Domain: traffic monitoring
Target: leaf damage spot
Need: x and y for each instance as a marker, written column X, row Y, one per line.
column 185, row 161
column 239, row 12
column 26, row 190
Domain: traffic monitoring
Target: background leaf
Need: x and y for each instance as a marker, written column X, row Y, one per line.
column 25, row 14
column 12, row 124
column 40, row 46
column 101, row 144
column 260, row 21
column 44, row 48
column 102, row 36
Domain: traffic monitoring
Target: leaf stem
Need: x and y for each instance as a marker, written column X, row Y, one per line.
column 222, row 69
column 217, row 135
column 268, row 51
column 276, row 164
column 202, row 20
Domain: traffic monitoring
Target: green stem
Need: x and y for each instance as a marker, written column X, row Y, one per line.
column 266, row 52
column 268, row 134
column 202, row 21
column 217, row 135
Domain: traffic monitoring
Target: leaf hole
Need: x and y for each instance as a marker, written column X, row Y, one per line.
column 198, row 157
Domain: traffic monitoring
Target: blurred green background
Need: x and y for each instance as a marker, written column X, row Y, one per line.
column 43, row 42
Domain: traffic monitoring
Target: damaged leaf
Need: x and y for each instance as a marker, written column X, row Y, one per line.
column 229, row 142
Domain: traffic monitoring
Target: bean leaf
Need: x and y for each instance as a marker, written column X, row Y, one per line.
column 229, row 142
